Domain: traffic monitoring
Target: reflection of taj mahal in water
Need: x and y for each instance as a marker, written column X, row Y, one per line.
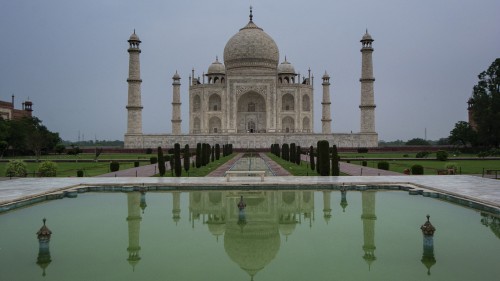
column 249, row 99
column 252, row 237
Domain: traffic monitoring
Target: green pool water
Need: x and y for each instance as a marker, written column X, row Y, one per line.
column 280, row 235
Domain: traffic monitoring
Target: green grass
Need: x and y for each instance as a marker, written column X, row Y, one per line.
column 131, row 156
column 204, row 170
column 396, row 155
column 68, row 169
column 296, row 170
column 431, row 166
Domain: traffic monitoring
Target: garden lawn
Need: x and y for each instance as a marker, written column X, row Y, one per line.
column 68, row 169
column 432, row 166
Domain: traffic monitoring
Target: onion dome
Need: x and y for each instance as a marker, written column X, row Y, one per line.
column 134, row 37
column 286, row 68
column 176, row 76
column 251, row 47
column 367, row 37
column 427, row 228
column 216, row 67
column 44, row 233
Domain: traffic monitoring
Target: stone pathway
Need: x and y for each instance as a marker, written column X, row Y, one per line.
column 275, row 168
column 221, row 171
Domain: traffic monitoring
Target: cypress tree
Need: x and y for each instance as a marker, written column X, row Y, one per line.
column 318, row 156
column 186, row 158
column 171, row 160
column 177, row 160
column 161, row 162
column 278, row 150
column 311, row 158
column 213, row 153
column 335, row 161
column 293, row 151
column 217, row 151
column 297, row 156
column 285, row 154
column 324, row 158
column 198, row 155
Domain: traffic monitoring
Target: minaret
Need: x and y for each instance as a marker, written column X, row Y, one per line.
column 367, row 105
column 326, row 119
column 176, row 105
column 134, row 227
column 134, row 107
column 368, row 217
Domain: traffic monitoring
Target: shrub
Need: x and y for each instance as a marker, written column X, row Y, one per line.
column 161, row 162
column 441, row 155
column 323, row 158
column 406, row 155
column 384, row 165
column 79, row 173
column 153, row 160
column 364, row 163
column 417, row 169
column 136, row 164
column 149, row 151
column 16, row 168
column 60, row 148
column 114, row 166
column 362, row 150
column 177, row 159
column 422, row 154
column 47, row 169
column 451, row 165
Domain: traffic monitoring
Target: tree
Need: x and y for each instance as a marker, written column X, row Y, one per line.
column 186, row 158
column 3, row 147
column 177, row 159
column 297, row 156
column 335, row 161
column 417, row 141
column 311, row 158
column 47, row 169
column 293, row 152
column 198, row 155
column 485, row 105
column 161, row 162
column 16, row 168
column 324, row 157
column 217, row 151
column 462, row 134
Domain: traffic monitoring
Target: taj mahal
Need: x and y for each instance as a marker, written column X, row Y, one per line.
column 251, row 100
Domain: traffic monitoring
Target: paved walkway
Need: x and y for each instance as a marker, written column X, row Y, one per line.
column 221, row 171
column 483, row 190
column 276, row 169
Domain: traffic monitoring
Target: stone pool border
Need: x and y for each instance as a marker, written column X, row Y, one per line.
column 473, row 192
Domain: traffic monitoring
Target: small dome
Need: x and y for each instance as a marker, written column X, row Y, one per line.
column 367, row 37
column 286, row 68
column 216, row 68
column 176, row 76
column 134, row 37
column 251, row 47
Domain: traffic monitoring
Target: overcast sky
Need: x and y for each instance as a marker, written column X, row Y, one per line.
column 70, row 57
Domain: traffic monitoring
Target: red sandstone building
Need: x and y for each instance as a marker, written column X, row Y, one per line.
column 8, row 112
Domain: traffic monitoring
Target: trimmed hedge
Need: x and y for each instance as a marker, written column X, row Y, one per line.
column 384, row 165
column 417, row 169
column 114, row 166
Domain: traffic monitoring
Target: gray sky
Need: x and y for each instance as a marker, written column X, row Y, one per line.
column 70, row 57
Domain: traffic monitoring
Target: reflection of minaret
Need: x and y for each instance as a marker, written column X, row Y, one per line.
column 143, row 201
column 176, row 206
column 327, row 210
column 43, row 236
column 428, row 258
column 134, row 227
column 368, row 216
column 343, row 200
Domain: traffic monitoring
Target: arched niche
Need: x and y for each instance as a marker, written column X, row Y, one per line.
column 251, row 113
column 287, row 102
column 214, row 103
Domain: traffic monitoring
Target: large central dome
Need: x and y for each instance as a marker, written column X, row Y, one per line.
column 251, row 47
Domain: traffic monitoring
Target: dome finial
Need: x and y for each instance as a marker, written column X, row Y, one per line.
column 251, row 15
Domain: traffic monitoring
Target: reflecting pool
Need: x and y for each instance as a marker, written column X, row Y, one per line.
column 274, row 235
